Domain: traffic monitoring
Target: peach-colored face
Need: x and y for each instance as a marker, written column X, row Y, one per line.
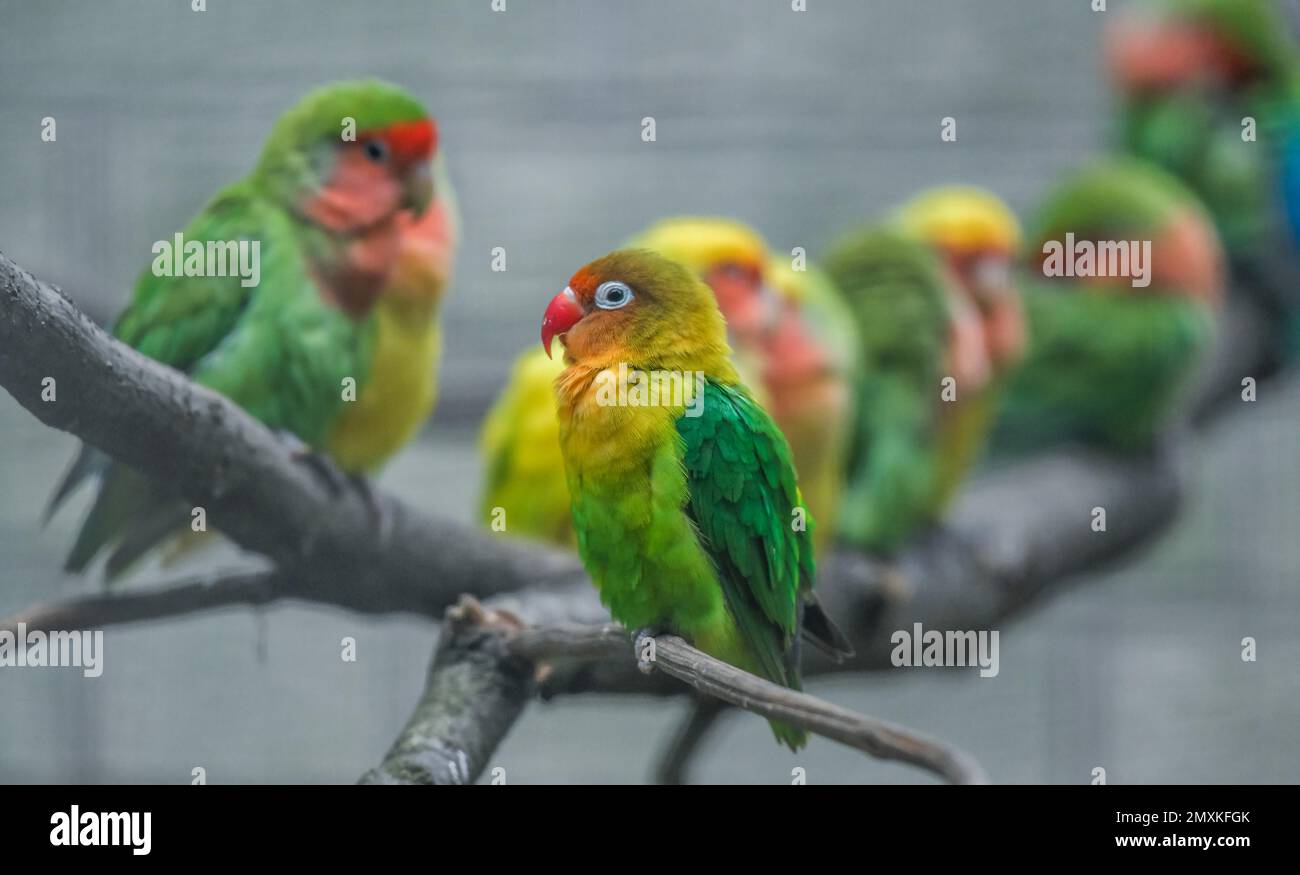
column 372, row 178
column 967, row 358
column 742, row 298
column 1187, row 255
column 1158, row 55
column 1187, row 259
column 985, row 278
column 425, row 254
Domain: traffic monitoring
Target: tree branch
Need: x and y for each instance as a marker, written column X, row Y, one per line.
column 480, row 679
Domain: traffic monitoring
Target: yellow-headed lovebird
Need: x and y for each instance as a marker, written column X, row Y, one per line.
column 924, row 359
column 978, row 237
column 1128, row 273
column 798, row 380
column 337, row 216
column 687, row 514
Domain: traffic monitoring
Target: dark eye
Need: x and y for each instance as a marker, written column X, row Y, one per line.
column 376, row 151
column 612, row 295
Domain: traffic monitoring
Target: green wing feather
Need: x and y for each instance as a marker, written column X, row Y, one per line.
column 742, row 496
column 277, row 349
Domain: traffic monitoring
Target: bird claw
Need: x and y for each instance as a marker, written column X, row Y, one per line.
column 643, row 645
column 339, row 482
column 381, row 513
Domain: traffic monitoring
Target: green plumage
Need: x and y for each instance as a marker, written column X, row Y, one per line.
column 895, row 288
column 1103, row 367
column 741, row 482
column 280, row 350
column 1107, row 361
column 1195, row 131
column 687, row 513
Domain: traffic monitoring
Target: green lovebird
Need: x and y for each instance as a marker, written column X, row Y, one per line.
column 683, row 492
column 342, row 177
column 924, row 362
column 1124, row 274
column 1190, row 73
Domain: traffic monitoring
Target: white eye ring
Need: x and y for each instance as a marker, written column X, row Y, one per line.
column 613, row 295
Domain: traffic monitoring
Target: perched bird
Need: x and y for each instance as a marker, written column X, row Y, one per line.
column 809, row 362
column 1129, row 271
column 924, row 359
column 345, row 301
column 1209, row 92
column 687, row 514
column 979, row 238
column 799, row 380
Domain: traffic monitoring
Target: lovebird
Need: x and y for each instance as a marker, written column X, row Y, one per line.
column 978, row 237
column 1190, row 74
column 333, row 345
column 1115, row 333
column 809, row 364
column 924, row 361
column 687, row 513
column 801, row 380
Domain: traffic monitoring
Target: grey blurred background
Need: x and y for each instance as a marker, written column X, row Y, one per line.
column 797, row 122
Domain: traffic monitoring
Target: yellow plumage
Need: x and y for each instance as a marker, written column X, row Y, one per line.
column 400, row 392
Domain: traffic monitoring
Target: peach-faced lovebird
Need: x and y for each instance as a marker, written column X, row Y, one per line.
column 1209, row 91
column 797, row 378
column 687, row 514
column 924, row 360
column 332, row 344
column 1128, row 271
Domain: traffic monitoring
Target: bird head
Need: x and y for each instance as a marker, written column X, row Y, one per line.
column 1216, row 43
column 730, row 257
column 1120, row 201
column 909, row 319
column 636, row 307
column 978, row 237
column 351, row 155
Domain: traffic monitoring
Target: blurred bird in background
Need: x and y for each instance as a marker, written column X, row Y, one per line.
column 1210, row 91
column 924, row 358
column 978, row 237
column 689, row 522
column 355, row 253
column 800, row 380
column 1108, row 354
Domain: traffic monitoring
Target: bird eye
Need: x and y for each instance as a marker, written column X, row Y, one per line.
column 376, row 150
column 612, row 295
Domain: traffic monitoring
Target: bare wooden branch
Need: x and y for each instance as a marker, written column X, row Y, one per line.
column 476, row 690
column 479, row 680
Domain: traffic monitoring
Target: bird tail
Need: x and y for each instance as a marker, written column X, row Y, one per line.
column 791, row 736
column 821, row 632
column 130, row 513
column 89, row 462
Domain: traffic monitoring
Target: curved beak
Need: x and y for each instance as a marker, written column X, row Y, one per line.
column 561, row 314
column 417, row 192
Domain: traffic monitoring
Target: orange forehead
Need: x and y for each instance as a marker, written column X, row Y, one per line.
column 584, row 283
column 409, row 141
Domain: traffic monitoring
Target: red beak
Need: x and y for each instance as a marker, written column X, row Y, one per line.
column 561, row 314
